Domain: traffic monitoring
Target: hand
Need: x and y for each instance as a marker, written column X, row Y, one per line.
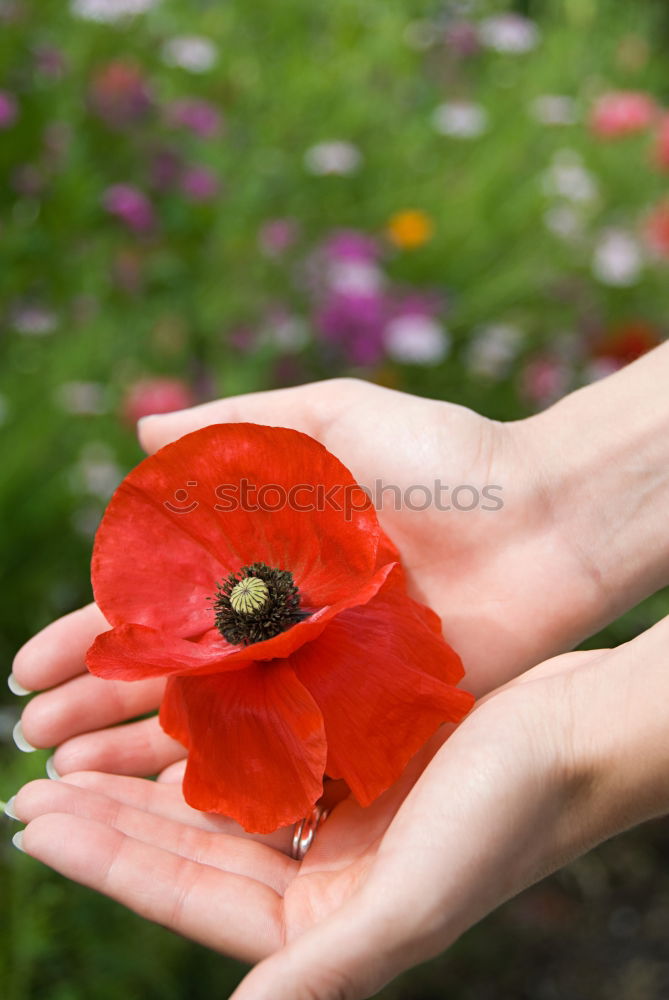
column 487, row 572
column 570, row 753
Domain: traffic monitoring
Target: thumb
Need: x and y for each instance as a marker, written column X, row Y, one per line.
column 302, row 408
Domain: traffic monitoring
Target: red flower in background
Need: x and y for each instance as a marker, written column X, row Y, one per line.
column 661, row 148
column 120, row 95
column 622, row 113
column 656, row 229
column 156, row 395
column 290, row 645
column 627, row 342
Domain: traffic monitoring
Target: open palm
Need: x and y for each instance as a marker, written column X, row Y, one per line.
column 385, row 886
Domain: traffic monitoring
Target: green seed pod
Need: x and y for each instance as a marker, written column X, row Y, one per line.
column 249, row 595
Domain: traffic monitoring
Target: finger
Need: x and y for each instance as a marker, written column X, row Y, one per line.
column 84, row 704
column 173, row 774
column 303, row 408
column 57, row 652
column 227, row 912
column 138, row 748
column 167, row 800
column 227, row 853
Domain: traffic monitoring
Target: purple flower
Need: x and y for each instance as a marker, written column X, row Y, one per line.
column 278, row 235
column 49, row 61
column 201, row 117
column 9, row 110
column 350, row 244
column 462, row 37
column 418, row 303
column 165, row 168
column 28, row 180
column 354, row 323
column 130, row 205
column 200, row 183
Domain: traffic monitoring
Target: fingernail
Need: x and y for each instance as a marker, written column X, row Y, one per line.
column 20, row 740
column 51, row 769
column 9, row 808
column 15, row 687
column 17, row 841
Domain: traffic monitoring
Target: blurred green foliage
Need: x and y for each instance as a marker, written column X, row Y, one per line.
column 89, row 305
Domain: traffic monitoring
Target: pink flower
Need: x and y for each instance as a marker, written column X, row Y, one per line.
column 119, row 94
column 278, row 235
column 9, row 110
column 200, row 117
column 130, row 205
column 155, row 395
column 462, row 38
column 621, row 113
column 165, row 166
column 544, row 380
column 200, row 183
column 49, row 61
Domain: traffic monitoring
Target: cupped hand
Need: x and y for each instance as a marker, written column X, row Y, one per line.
column 535, row 775
column 489, row 573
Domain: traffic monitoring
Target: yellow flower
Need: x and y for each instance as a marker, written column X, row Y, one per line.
column 410, row 229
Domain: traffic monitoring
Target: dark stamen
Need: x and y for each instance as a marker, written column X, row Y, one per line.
column 256, row 603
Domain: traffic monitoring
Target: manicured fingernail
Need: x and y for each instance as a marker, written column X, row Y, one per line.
column 51, row 769
column 17, row 841
column 20, row 740
column 15, row 687
column 9, row 808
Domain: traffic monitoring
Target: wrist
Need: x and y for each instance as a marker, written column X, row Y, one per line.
column 601, row 459
column 615, row 755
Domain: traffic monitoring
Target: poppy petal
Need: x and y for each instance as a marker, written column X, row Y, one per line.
column 256, row 744
column 383, row 680
column 224, row 497
column 135, row 652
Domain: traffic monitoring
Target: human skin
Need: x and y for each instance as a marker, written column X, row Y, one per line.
column 568, row 754
column 579, row 539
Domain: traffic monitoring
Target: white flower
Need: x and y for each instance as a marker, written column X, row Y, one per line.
column 355, row 277
column 599, row 368
column 554, row 109
column 460, row 118
column 82, row 398
column 86, row 520
column 108, row 11
column 335, row 157
column 617, row 259
column 288, row 333
column 568, row 178
column 564, row 221
column 492, row 349
column 191, row 52
column 416, row 339
column 34, row 320
column 96, row 472
column 509, row 33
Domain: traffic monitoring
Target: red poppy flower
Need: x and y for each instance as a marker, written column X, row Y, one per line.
column 243, row 563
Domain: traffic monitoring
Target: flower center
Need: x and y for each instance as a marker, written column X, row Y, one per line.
column 256, row 603
column 250, row 594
